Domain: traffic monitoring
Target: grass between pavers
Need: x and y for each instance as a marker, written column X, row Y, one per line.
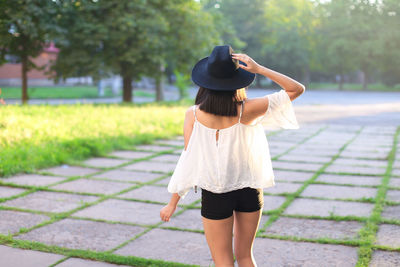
column 369, row 231
column 88, row 254
column 35, row 137
column 291, row 197
column 332, row 241
column 301, row 142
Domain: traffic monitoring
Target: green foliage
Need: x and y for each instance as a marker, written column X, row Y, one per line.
column 131, row 38
column 25, row 27
column 34, row 137
column 56, row 92
column 182, row 83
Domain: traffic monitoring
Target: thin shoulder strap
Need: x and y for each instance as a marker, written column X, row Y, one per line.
column 241, row 110
column 194, row 112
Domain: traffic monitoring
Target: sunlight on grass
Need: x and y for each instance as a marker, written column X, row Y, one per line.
column 34, row 137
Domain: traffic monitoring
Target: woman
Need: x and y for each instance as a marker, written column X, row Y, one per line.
column 226, row 152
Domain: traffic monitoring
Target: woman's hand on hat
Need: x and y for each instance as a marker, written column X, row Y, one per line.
column 252, row 66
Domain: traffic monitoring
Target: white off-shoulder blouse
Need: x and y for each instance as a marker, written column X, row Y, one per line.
column 240, row 158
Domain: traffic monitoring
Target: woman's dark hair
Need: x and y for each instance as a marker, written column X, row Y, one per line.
column 220, row 103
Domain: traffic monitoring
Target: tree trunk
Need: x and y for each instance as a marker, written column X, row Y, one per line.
column 127, row 89
column 365, row 81
column 159, row 84
column 340, row 82
column 159, row 88
column 24, row 61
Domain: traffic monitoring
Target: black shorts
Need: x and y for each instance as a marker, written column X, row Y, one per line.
column 219, row 206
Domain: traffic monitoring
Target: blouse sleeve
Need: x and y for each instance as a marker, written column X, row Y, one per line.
column 280, row 112
column 179, row 183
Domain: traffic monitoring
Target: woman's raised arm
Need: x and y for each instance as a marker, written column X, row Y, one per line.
column 292, row 87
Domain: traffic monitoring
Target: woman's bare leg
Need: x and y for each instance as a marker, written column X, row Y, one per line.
column 219, row 238
column 245, row 229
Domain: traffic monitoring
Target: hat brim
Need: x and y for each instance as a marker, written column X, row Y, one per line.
column 201, row 77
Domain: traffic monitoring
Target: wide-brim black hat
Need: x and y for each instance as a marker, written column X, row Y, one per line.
column 220, row 72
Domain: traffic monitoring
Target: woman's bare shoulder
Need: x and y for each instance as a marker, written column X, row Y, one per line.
column 256, row 106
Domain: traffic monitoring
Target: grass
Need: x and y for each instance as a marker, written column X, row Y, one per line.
column 369, row 231
column 64, row 92
column 34, row 137
column 377, row 87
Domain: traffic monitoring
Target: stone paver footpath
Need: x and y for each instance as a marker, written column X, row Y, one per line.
column 105, row 212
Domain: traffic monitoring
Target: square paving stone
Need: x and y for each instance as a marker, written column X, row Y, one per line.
column 273, row 202
column 66, row 170
column 303, row 158
column 164, row 181
column 283, row 188
column 76, row 262
column 324, row 207
column 17, row 257
column 169, row 245
column 124, row 211
column 275, row 252
column 189, row 219
column 263, row 220
column 382, row 258
column 296, row 166
column 6, row 191
column 153, row 148
column 312, row 228
column 92, row 186
column 393, row 195
column 338, row 191
column 349, row 179
column 388, row 235
column 391, row 212
column 173, row 142
column 11, row 221
column 395, row 182
column 131, row 154
column 128, row 176
column 159, row 194
column 313, row 152
column 49, row 201
column 355, row 169
column 292, row 176
column 151, row 166
column 166, row 158
column 364, row 155
column 33, row 179
column 82, row 234
column 362, row 162
column 104, row 162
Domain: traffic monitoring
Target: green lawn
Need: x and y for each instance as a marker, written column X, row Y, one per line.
column 354, row 87
column 63, row 92
column 34, row 137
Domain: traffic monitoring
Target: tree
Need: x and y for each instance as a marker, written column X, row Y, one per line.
column 241, row 24
column 289, row 40
column 130, row 38
column 389, row 63
column 365, row 16
column 335, row 44
column 25, row 28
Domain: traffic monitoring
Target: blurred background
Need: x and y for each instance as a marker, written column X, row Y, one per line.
column 136, row 51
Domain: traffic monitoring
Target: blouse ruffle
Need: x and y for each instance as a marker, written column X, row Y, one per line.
column 280, row 114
